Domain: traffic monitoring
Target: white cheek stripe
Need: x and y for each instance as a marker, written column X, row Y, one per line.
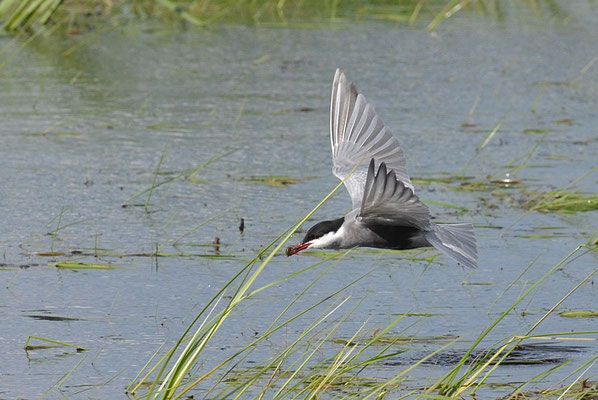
column 327, row 240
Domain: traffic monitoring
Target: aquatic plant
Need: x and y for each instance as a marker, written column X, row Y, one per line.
column 298, row 370
column 563, row 202
column 24, row 15
column 55, row 344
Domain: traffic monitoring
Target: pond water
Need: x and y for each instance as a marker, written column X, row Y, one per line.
column 87, row 120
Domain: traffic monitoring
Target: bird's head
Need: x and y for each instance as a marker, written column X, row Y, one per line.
column 323, row 235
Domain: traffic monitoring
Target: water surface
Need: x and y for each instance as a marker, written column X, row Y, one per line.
column 85, row 130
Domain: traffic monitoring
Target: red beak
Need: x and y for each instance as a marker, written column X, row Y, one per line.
column 297, row 248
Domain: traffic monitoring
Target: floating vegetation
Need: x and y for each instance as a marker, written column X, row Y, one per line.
column 467, row 283
column 541, row 236
column 51, row 253
column 567, row 202
column 558, row 157
column 55, row 343
column 172, row 127
column 579, row 314
column 441, row 180
column 58, row 318
column 483, row 186
column 6, row 266
column 445, row 205
column 108, row 253
column 171, row 255
column 564, row 201
column 429, row 259
column 402, row 340
column 80, row 265
column 563, row 121
column 299, row 109
column 535, row 131
column 196, row 180
column 275, row 181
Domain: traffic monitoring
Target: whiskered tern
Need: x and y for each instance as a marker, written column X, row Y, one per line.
column 386, row 212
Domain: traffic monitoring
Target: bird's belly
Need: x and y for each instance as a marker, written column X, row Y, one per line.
column 393, row 237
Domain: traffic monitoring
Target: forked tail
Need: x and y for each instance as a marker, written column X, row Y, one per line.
column 456, row 241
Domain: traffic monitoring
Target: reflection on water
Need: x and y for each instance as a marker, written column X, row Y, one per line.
column 230, row 123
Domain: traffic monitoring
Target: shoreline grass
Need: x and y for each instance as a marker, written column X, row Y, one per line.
column 77, row 15
column 302, row 370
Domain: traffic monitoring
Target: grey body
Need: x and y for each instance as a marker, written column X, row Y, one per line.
column 357, row 233
column 386, row 213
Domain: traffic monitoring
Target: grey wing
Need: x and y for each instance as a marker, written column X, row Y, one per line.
column 387, row 200
column 357, row 135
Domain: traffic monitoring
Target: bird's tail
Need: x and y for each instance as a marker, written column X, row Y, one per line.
column 456, row 241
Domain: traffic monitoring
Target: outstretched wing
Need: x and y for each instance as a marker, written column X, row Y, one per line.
column 387, row 200
column 358, row 135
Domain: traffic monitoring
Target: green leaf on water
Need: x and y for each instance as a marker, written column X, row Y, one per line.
column 196, row 180
column 50, row 253
column 564, row 121
column 172, row 127
column 443, row 204
column 55, row 343
column 579, row 314
column 564, row 202
column 396, row 339
column 537, row 236
column 475, row 186
column 440, row 180
column 275, row 181
column 80, row 265
column 534, row 131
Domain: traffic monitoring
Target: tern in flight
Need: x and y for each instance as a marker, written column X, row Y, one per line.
column 386, row 212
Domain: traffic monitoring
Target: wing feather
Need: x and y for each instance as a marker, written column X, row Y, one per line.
column 357, row 135
column 388, row 201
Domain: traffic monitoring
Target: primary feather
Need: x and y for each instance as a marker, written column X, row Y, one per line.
column 358, row 135
column 387, row 201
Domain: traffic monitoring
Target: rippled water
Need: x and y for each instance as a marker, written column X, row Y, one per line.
column 84, row 128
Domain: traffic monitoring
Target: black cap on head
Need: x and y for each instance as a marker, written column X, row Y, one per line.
column 322, row 228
